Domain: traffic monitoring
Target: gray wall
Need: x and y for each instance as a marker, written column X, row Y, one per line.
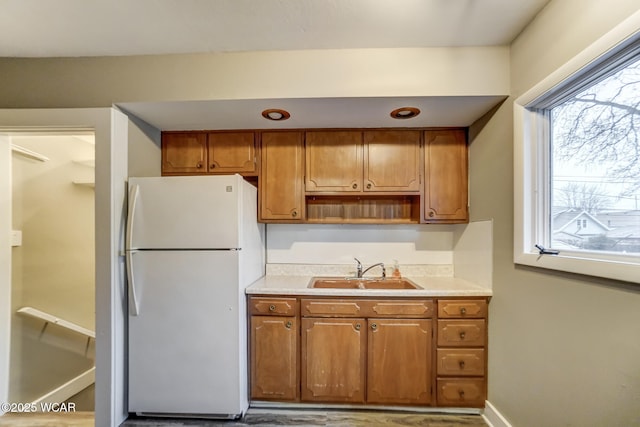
column 564, row 349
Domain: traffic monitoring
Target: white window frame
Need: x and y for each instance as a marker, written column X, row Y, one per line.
column 531, row 171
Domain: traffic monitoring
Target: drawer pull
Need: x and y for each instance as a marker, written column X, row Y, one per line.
column 288, row 325
column 461, row 363
column 461, row 393
column 272, row 307
column 463, row 311
column 462, row 334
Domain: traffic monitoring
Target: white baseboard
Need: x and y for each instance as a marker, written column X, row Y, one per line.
column 492, row 417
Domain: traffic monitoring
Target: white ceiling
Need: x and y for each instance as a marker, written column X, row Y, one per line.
column 36, row 28
column 70, row 28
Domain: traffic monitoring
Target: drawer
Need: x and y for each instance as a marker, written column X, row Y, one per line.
column 332, row 307
column 460, row 362
column 461, row 333
column 461, row 392
column 472, row 308
column 405, row 308
column 273, row 306
column 400, row 308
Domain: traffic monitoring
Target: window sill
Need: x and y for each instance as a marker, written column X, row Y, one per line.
column 626, row 271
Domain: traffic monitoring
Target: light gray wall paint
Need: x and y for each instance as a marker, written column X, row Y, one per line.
column 564, row 349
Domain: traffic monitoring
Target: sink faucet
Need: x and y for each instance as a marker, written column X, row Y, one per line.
column 360, row 272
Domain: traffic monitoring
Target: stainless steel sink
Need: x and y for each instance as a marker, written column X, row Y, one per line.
column 361, row 283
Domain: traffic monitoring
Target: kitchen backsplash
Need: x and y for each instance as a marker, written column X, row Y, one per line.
column 409, row 270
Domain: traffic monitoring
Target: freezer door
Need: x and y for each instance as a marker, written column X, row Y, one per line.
column 185, row 212
column 187, row 343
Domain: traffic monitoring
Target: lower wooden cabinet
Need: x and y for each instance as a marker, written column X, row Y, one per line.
column 399, row 361
column 274, row 349
column 461, row 352
column 369, row 351
column 333, row 360
column 466, row 392
column 274, row 354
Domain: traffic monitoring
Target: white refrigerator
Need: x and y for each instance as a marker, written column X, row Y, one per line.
column 193, row 244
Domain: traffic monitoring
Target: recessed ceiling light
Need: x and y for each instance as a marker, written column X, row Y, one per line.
column 405, row 113
column 275, row 114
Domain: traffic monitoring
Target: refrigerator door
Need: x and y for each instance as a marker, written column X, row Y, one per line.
column 185, row 212
column 186, row 349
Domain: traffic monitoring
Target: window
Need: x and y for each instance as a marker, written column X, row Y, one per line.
column 577, row 147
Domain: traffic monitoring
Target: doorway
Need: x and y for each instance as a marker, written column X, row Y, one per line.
column 52, row 345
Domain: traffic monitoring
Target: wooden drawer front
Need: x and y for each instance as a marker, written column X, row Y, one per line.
column 461, row 362
column 331, row 307
column 408, row 308
column 273, row 306
column 462, row 308
column 461, row 392
column 461, row 333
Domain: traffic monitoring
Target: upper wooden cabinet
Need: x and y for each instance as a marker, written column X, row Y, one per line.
column 392, row 161
column 281, row 191
column 369, row 161
column 185, row 153
column 333, row 161
column 446, row 184
column 231, row 152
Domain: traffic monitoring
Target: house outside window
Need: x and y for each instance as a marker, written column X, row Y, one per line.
column 577, row 147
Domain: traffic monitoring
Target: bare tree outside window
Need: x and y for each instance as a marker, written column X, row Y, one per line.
column 595, row 167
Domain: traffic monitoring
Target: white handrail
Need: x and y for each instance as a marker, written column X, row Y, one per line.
column 50, row 318
column 28, row 153
column 69, row 389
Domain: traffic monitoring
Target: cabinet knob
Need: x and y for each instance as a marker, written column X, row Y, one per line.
column 272, row 307
column 463, row 311
column 294, row 214
column 374, row 326
column 354, row 186
column 461, row 393
column 369, row 186
column 213, row 166
column 461, row 363
column 462, row 334
column 357, row 326
column 289, row 324
column 431, row 214
column 198, row 165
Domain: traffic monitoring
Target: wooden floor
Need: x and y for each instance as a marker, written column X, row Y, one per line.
column 261, row 417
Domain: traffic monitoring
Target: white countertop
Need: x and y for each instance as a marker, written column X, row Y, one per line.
column 431, row 287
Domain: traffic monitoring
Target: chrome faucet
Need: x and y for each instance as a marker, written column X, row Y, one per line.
column 360, row 272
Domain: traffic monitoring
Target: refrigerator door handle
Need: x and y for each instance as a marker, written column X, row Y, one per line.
column 133, row 297
column 131, row 211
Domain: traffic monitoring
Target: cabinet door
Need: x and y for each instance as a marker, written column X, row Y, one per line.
column 274, row 358
column 392, row 161
column 333, row 161
column 446, row 186
column 399, row 361
column 281, row 177
column 184, row 153
column 333, row 355
column 232, row 152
